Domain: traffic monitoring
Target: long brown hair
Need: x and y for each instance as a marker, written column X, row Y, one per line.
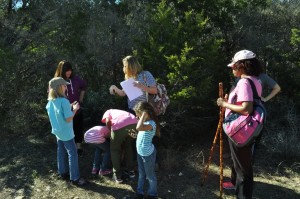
column 144, row 106
column 62, row 68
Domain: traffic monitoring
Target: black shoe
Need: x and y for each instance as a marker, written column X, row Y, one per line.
column 151, row 197
column 130, row 174
column 64, row 176
column 139, row 196
column 80, row 152
column 79, row 182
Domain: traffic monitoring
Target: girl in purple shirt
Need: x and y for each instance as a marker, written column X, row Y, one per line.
column 75, row 93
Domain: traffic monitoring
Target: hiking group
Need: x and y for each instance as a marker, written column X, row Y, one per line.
column 114, row 139
column 126, row 136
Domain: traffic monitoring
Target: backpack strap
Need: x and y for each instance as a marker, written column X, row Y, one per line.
column 258, row 101
column 254, row 90
column 145, row 80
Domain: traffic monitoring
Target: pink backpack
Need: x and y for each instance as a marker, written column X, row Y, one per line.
column 243, row 129
column 97, row 135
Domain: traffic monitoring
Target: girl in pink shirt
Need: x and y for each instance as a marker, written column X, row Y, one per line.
column 121, row 123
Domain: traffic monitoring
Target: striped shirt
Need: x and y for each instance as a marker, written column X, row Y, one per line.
column 144, row 144
column 146, row 78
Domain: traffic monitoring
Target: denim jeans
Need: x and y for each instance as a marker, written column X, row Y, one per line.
column 100, row 162
column 67, row 158
column 146, row 166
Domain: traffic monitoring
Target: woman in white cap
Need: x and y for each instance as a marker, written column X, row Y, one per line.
column 61, row 114
column 246, row 66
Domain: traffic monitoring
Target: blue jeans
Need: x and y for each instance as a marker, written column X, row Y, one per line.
column 67, row 158
column 104, row 162
column 146, row 165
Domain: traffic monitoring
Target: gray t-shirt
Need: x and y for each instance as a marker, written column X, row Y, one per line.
column 266, row 81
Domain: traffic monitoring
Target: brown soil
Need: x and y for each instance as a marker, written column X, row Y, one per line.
column 28, row 170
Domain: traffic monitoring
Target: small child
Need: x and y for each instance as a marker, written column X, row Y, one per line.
column 61, row 116
column 102, row 165
column 148, row 127
column 98, row 137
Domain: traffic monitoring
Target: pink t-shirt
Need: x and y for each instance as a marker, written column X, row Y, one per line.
column 119, row 118
column 97, row 134
column 244, row 93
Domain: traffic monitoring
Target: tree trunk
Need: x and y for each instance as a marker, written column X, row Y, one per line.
column 9, row 7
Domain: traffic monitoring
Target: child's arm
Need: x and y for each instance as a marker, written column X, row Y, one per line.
column 76, row 106
column 141, row 126
column 108, row 123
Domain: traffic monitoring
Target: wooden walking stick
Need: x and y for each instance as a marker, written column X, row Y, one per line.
column 222, row 110
column 219, row 131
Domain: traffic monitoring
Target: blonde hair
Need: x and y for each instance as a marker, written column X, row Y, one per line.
column 132, row 67
column 55, row 93
column 58, row 72
column 144, row 106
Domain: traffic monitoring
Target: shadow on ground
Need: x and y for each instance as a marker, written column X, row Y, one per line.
column 28, row 169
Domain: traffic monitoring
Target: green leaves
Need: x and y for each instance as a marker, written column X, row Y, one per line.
column 295, row 38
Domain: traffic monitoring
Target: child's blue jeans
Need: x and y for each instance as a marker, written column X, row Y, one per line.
column 67, row 158
column 104, row 162
column 146, row 166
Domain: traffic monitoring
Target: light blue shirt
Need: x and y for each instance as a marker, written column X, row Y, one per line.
column 58, row 111
column 144, row 144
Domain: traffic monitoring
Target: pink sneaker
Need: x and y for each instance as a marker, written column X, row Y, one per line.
column 95, row 171
column 106, row 172
column 228, row 186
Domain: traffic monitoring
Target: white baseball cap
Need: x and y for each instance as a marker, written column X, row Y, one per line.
column 241, row 55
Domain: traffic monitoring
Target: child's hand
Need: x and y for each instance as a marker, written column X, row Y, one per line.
column 132, row 133
column 73, row 103
column 75, row 106
column 144, row 116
